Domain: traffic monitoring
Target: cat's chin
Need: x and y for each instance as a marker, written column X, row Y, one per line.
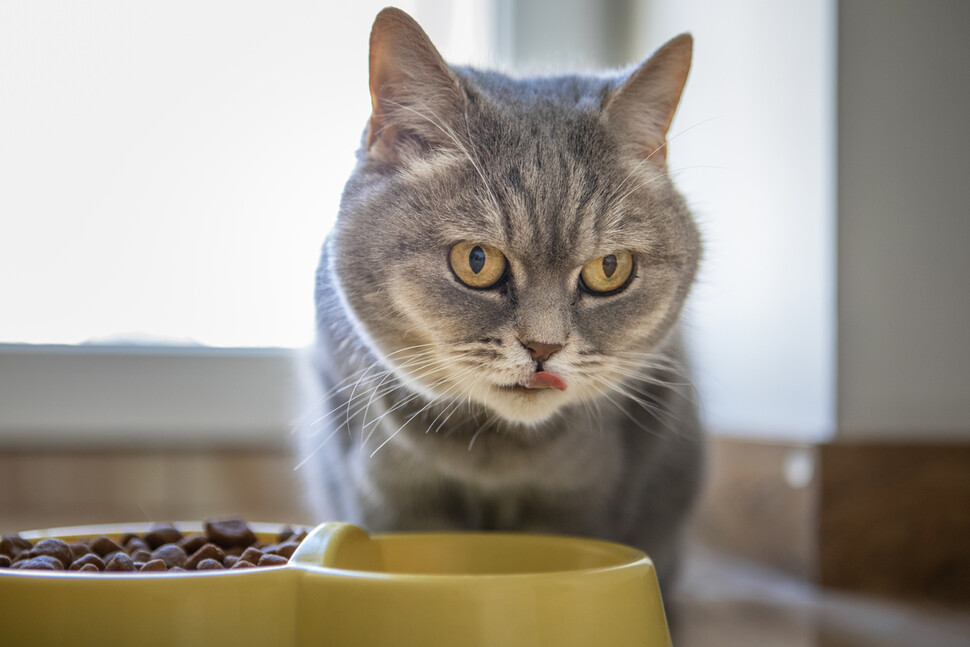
column 518, row 404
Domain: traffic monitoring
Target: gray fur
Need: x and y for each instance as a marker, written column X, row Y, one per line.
column 415, row 430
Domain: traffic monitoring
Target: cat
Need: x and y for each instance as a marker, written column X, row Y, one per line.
column 497, row 306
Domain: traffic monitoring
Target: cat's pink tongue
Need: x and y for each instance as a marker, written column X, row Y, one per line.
column 544, row 380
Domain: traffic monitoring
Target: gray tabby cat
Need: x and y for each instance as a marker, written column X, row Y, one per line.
column 497, row 306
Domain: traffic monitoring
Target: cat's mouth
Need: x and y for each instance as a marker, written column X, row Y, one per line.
column 539, row 380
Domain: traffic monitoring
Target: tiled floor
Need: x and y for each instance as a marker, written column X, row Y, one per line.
column 722, row 602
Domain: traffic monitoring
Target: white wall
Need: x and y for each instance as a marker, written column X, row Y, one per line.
column 549, row 36
column 904, row 220
column 752, row 148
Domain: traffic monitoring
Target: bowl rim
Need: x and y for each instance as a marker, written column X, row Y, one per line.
column 628, row 557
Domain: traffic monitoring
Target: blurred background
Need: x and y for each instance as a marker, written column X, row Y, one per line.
column 168, row 172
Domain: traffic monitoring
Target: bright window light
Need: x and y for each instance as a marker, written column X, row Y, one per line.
column 169, row 170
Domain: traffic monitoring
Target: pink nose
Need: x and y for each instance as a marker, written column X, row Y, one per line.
column 540, row 351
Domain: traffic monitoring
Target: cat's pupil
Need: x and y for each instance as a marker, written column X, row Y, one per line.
column 476, row 259
column 609, row 265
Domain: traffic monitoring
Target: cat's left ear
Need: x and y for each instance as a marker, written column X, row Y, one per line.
column 641, row 109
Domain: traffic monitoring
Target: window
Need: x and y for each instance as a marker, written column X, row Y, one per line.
column 168, row 172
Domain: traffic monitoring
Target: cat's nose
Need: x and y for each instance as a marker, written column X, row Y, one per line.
column 540, row 351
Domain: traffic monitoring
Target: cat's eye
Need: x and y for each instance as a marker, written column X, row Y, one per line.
column 477, row 265
column 607, row 274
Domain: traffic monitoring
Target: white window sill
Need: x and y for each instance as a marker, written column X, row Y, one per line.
column 135, row 396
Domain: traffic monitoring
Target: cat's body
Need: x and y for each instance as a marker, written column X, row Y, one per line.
column 550, row 395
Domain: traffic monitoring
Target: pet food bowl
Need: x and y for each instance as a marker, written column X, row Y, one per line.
column 345, row 587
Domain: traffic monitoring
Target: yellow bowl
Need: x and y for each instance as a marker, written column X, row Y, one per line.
column 345, row 587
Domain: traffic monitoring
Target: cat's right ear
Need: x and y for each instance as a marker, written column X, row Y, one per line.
column 415, row 97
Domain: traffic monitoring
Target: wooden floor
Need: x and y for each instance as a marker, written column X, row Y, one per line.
column 721, row 601
column 724, row 602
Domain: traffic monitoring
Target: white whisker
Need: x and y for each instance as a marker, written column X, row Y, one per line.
column 440, row 125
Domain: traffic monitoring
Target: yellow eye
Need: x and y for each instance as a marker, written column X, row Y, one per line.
column 477, row 265
column 607, row 274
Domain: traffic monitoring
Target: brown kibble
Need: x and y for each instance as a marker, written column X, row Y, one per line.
column 271, row 560
column 141, row 555
column 286, row 550
column 171, row 554
column 136, row 543
column 154, row 565
column 107, row 558
column 229, row 532
column 209, row 565
column 104, row 545
column 251, row 554
column 40, row 563
column 55, row 548
column 284, row 534
column 226, row 543
column 192, row 543
column 162, row 533
column 209, row 551
column 120, row 562
column 84, row 560
column 13, row 545
column 79, row 550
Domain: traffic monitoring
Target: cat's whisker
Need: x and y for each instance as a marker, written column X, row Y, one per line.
column 677, row 172
column 436, row 362
column 408, row 419
column 315, row 450
column 350, row 406
column 407, row 401
column 665, row 365
column 396, row 406
column 387, row 357
column 440, row 125
column 640, row 383
column 646, row 375
column 660, row 412
column 673, row 137
column 454, row 406
column 365, row 377
column 619, row 407
column 611, row 198
column 665, row 144
column 663, row 173
column 641, row 185
column 655, row 360
column 489, row 422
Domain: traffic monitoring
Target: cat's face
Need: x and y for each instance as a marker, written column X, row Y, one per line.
column 517, row 253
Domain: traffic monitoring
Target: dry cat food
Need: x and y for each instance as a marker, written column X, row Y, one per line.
column 223, row 543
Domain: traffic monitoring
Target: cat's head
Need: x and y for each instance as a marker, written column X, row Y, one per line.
column 515, row 244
